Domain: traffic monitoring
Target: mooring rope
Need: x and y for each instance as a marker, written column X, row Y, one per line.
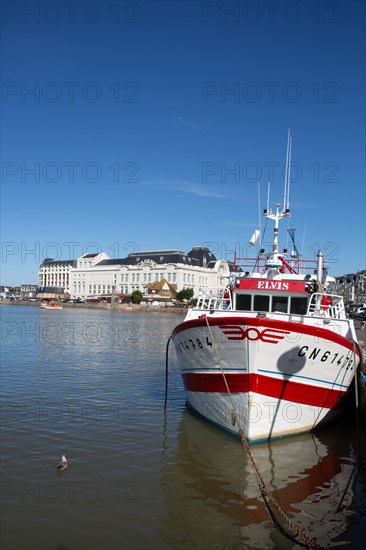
column 356, row 346
column 265, row 492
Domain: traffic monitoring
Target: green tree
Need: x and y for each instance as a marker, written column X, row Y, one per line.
column 185, row 294
column 136, row 296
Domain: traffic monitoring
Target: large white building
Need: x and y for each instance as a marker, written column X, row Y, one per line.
column 94, row 275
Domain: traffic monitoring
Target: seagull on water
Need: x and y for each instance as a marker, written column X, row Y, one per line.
column 63, row 464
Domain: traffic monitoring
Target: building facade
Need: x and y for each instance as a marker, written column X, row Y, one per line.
column 96, row 275
column 352, row 287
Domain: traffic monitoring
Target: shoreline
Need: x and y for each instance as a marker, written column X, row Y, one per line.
column 97, row 305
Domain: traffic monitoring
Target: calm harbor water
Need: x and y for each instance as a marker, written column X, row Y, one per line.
column 91, row 384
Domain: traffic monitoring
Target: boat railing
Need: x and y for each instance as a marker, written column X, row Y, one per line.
column 326, row 305
column 298, row 265
column 214, row 299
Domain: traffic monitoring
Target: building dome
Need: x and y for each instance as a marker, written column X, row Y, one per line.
column 203, row 255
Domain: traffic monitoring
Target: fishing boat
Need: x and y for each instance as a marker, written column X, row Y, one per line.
column 273, row 354
column 51, row 305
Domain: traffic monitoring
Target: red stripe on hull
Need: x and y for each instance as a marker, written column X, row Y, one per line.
column 264, row 385
column 297, row 328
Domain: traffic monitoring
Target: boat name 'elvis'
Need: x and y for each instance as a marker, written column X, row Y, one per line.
column 272, row 285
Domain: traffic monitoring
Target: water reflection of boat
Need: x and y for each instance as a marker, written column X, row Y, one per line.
column 214, row 500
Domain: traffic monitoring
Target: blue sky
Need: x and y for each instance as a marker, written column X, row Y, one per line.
column 146, row 125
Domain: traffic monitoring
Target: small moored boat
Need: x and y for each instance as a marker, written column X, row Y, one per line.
column 51, row 305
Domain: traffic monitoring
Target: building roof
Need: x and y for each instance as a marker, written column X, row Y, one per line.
column 203, row 255
column 199, row 257
column 156, row 252
column 50, row 261
column 158, row 287
column 50, row 290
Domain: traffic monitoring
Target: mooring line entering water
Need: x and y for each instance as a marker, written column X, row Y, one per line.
column 302, row 539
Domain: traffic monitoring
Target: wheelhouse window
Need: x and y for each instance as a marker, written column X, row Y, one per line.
column 261, row 303
column 243, row 302
column 299, row 305
column 279, row 303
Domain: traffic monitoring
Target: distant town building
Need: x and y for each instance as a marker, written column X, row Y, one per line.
column 56, row 273
column 97, row 275
column 28, row 290
column 352, row 287
column 162, row 288
column 47, row 292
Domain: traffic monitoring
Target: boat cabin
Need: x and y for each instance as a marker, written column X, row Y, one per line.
column 270, row 295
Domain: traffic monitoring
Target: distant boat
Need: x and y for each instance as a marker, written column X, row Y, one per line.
column 51, row 305
column 274, row 353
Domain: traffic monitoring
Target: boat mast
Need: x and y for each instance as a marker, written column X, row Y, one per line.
column 278, row 214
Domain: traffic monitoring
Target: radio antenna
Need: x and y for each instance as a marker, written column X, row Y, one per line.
column 286, row 194
column 259, row 209
column 289, row 175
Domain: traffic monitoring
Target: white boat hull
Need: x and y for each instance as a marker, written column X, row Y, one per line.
column 283, row 377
